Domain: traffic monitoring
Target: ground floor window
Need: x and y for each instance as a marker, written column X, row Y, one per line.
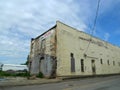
column 72, row 62
column 113, row 63
column 101, row 61
column 108, row 62
column 82, row 65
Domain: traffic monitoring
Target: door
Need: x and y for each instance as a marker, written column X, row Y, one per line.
column 48, row 66
column 93, row 67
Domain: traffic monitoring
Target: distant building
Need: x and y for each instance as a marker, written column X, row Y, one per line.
column 14, row 67
column 62, row 52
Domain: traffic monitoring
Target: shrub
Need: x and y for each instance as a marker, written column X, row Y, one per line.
column 40, row 75
column 15, row 74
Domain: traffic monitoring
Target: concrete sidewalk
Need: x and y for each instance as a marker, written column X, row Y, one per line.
column 24, row 81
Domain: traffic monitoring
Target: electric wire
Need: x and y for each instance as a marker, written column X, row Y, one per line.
column 94, row 25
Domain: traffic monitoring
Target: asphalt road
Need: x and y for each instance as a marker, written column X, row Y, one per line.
column 98, row 83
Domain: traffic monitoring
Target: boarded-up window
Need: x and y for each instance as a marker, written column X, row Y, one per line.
column 113, row 63
column 43, row 43
column 82, row 65
column 108, row 62
column 72, row 62
column 43, row 46
column 119, row 63
column 93, row 67
column 101, row 61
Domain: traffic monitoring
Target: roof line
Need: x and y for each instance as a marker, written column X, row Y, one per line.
column 88, row 34
column 45, row 32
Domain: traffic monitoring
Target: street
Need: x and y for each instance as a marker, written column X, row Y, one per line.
column 93, row 83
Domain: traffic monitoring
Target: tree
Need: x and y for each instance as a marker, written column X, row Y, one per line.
column 26, row 63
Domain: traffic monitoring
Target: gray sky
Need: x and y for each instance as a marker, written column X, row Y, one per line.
column 21, row 20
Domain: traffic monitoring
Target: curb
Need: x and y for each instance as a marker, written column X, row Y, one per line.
column 14, row 84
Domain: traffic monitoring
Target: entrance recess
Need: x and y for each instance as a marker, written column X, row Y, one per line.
column 93, row 67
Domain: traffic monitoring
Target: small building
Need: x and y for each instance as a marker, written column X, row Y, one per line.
column 63, row 51
column 14, row 67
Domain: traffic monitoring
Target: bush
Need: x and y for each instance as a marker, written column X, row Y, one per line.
column 40, row 75
column 23, row 74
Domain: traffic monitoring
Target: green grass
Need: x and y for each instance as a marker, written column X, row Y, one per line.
column 6, row 74
column 25, row 74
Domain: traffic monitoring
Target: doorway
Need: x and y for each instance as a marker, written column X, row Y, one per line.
column 93, row 67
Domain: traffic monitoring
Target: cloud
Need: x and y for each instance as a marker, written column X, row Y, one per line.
column 24, row 19
column 106, row 36
column 21, row 20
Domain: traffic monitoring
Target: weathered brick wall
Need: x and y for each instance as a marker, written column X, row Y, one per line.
column 43, row 54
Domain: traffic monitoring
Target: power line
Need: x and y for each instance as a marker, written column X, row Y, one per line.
column 94, row 25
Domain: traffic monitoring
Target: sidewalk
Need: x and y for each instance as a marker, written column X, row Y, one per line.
column 24, row 81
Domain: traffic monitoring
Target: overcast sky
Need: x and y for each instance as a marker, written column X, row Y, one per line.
column 21, row 20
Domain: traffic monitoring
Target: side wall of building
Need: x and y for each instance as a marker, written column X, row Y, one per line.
column 42, row 54
column 73, row 59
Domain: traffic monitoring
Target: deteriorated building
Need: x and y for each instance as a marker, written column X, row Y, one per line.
column 61, row 52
